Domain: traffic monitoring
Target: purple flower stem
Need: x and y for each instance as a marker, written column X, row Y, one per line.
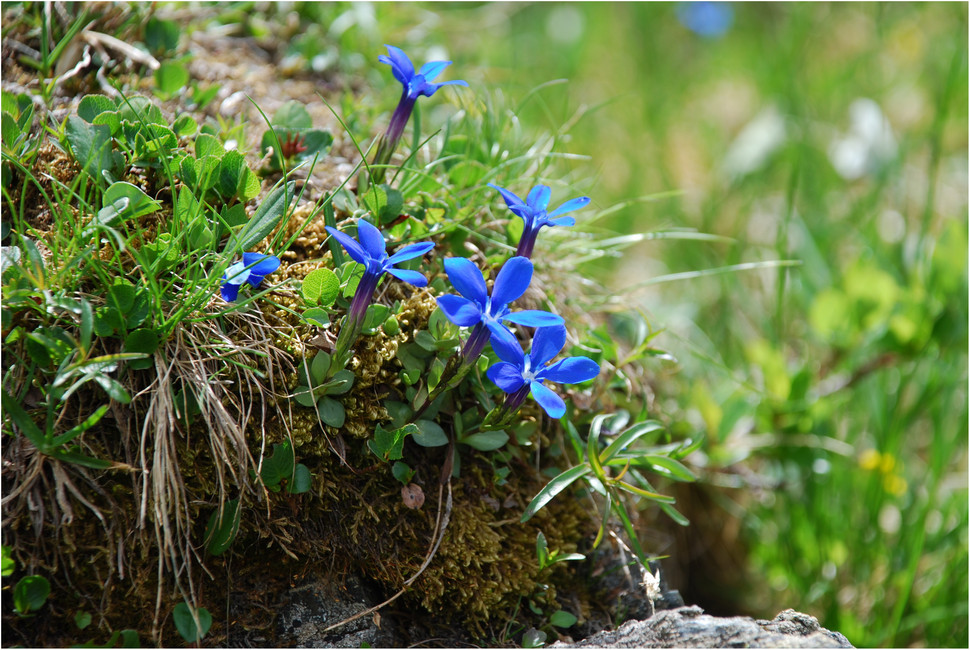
column 354, row 322
column 387, row 145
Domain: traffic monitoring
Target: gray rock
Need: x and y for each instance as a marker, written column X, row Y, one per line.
column 315, row 605
column 690, row 627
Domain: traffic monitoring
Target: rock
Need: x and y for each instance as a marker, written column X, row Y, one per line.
column 689, row 627
column 315, row 605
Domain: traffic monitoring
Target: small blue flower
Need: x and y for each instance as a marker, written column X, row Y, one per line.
column 533, row 213
column 252, row 269
column 416, row 85
column 518, row 373
column 371, row 252
column 707, row 19
column 475, row 308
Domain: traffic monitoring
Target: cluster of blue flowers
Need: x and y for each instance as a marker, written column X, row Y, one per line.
column 486, row 314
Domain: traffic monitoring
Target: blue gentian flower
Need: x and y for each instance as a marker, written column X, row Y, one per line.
column 252, row 269
column 533, row 213
column 707, row 19
column 483, row 313
column 416, row 84
column 370, row 252
column 518, row 374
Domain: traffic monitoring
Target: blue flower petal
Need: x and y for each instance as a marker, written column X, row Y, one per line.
column 506, row 376
column 561, row 221
column 570, row 205
column 504, row 343
column 507, row 347
column 229, row 291
column 236, row 274
column 573, row 370
column 546, row 344
column 410, row 252
column 401, row 65
column 353, row 249
column 538, row 198
column 511, row 282
column 511, row 199
column 371, row 240
column 260, row 264
column 534, row 318
column 411, row 277
column 466, row 277
column 460, row 311
column 432, row 69
column 548, row 400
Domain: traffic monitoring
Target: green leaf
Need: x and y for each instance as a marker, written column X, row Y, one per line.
column 170, row 78
column 90, row 144
column 319, row 367
column 487, row 441
column 123, row 201
column 533, row 638
column 342, row 382
column 292, row 114
column 161, row 36
column 389, row 444
column 7, row 565
column 321, row 287
column 304, row 396
column 429, row 434
column 331, row 412
column 208, row 145
column 316, row 316
column 279, row 466
column 77, row 430
column 185, row 125
column 82, row 619
column 562, row 619
column 402, row 472
column 91, row 106
column 221, row 531
column 676, row 470
column 23, row 421
column 231, row 168
column 186, row 625
column 30, row 593
column 627, row 438
column 301, row 481
column 234, row 215
column 542, row 550
column 267, row 216
column 374, row 317
column 554, row 487
column 74, row 455
column 9, row 130
column 142, row 340
column 163, row 253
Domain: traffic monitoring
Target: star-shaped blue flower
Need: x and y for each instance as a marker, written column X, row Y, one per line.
column 371, row 252
column 416, row 84
column 420, row 83
column 534, row 214
column 476, row 308
column 252, row 269
column 518, row 373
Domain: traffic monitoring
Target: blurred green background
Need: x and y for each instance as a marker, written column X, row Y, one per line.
column 832, row 395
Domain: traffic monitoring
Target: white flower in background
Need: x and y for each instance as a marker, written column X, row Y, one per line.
column 651, row 584
column 752, row 148
column 867, row 146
